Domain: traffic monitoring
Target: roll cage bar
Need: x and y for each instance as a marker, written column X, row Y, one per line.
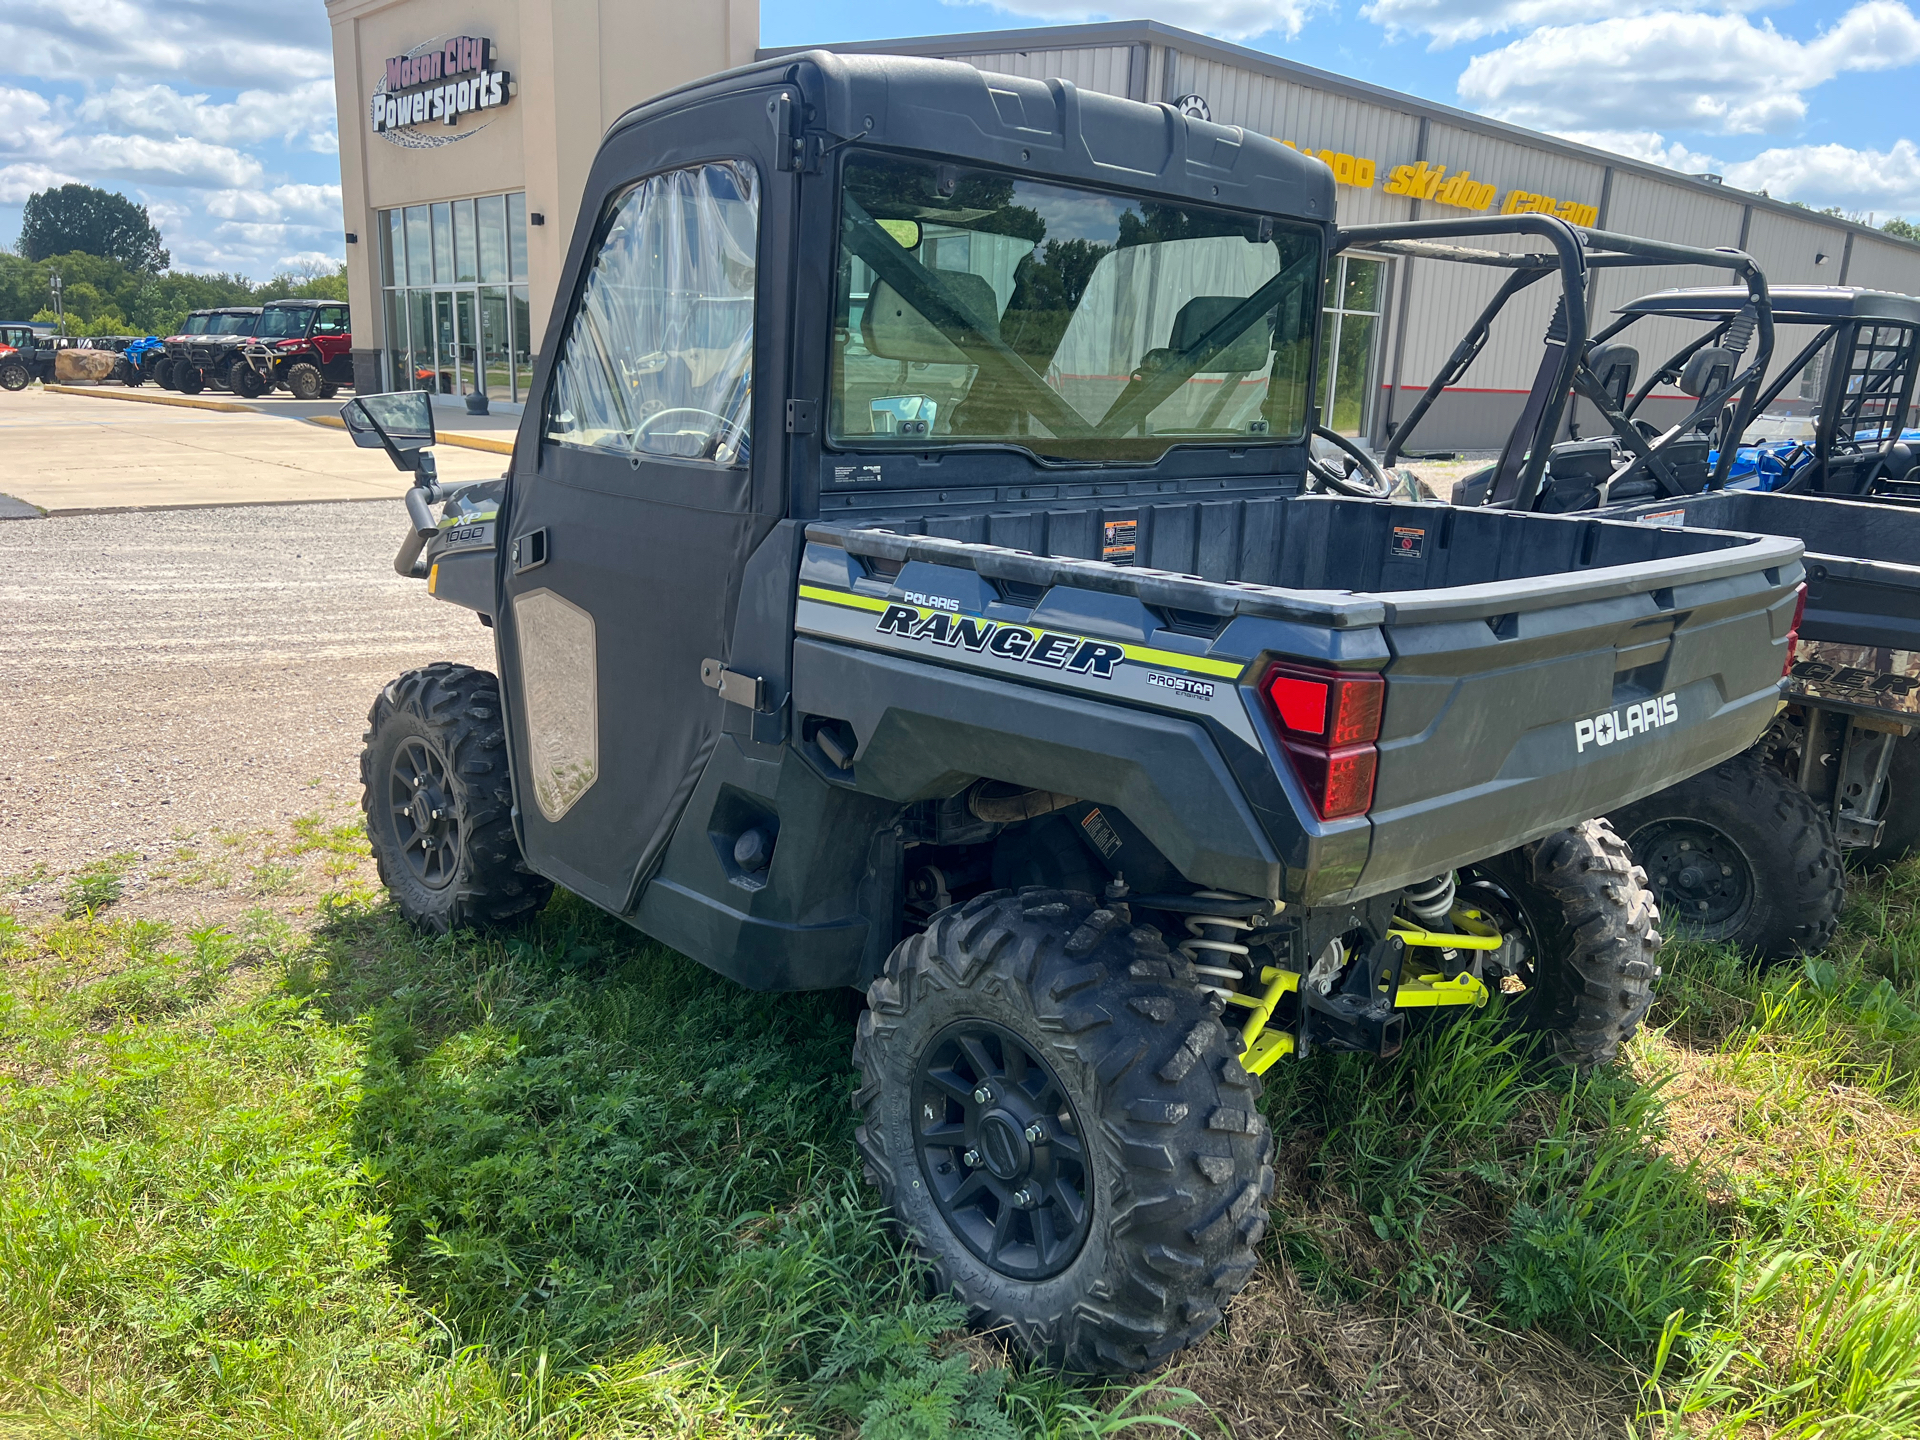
column 1853, row 397
column 1564, row 371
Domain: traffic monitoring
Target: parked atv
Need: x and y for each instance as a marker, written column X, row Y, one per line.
column 1750, row 853
column 139, row 360
column 303, row 345
column 952, row 620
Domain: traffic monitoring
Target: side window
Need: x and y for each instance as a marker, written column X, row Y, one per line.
column 659, row 358
column 332, row 320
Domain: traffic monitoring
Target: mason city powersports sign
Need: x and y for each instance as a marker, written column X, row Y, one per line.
column 446, row 83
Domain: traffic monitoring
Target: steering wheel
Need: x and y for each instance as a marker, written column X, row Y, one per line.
column 656, row 422
column 1794, row 472
column 1373, row 483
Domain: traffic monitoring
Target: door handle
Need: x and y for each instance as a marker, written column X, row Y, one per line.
column 530, row 551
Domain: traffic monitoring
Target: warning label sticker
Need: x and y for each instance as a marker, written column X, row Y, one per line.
column 1119, row 540
column 1407, row 543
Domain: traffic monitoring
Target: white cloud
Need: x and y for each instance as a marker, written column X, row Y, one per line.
column 18, row 182
column 1229, row 19
column 1882, row 182
column 294, row 115
column 1716, row 73
column 318, row 203
column 1648, row 145
column 1449, row 22
column 200, row 42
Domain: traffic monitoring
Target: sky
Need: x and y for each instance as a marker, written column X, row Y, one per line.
column 218, row 115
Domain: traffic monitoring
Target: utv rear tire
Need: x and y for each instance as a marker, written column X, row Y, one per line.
column 1741, row 856
column 1154, row 1126
column 303, row 381
column 1592, row 932
column 434, row 741
column 14, row 376
column 1899, row 809
column 188, row 379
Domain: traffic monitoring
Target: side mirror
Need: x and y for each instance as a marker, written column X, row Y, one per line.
column 400, row 423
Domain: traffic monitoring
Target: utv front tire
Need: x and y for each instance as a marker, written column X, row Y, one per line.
column 303, row 381
column 14, row 375
column 243, row 380
column 1101, row 1203
column 439, row 802
column 1740, row 856
column 1591, row 931
column 189, row 379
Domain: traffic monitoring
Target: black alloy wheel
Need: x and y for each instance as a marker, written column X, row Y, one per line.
column 1739, row 855
column 14, row 375
column 999, row 1144
column 188, row 379
column 426, row 820
column 1702, row 875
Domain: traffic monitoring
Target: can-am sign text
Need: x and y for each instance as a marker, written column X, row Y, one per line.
column 445, row 84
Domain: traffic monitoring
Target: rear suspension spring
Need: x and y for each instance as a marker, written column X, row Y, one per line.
column 1217, row 956
column 1431, row 901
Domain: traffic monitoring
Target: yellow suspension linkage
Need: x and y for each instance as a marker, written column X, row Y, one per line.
column 1259, row 1049
column 1420, row 991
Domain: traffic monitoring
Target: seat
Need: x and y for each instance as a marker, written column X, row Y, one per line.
column 1616, row 366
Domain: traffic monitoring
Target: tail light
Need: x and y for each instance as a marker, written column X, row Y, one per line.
column 1793, row 630
column 1328, row 720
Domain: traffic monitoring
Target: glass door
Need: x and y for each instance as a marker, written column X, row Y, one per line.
column 466, row 353
column 445, row 378
column 1356, row 287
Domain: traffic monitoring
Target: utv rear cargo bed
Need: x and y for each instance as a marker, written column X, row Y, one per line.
column 1539, row 669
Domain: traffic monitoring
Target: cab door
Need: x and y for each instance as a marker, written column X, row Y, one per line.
column 333, row 342
column 638, row 489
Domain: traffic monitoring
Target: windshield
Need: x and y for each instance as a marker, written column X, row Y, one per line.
column 196, row 325
column 976, row 307
column 289, row 323
column 232, row 325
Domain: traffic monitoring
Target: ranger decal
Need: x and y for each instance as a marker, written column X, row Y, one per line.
column 1010, row 642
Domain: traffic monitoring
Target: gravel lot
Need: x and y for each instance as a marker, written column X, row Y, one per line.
column 181, row 685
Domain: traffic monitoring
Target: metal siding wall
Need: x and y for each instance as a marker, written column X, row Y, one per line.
column 1880, row 265
column 1785, row 246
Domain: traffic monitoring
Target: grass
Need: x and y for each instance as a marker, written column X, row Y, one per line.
column 338, row 1180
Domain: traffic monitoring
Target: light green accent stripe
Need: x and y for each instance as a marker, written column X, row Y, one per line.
column 1144, row 654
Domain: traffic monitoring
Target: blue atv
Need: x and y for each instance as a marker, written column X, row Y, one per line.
column 140, row 360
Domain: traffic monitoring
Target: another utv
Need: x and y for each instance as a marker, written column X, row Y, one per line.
column 304, row 345
column 199, row 359
column 906, row 578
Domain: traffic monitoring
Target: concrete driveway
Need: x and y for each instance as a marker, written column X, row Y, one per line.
column 66, row 453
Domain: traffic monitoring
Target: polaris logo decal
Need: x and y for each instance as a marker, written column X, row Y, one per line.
column 1632, row 720
column 1009, row 642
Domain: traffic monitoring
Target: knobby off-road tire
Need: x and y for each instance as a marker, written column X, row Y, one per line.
column 328, row 390
column 1899, row 809
column 1592, row 930
column 188, row 379
column 303, row 381
column 1741, row 856
column 244, row 381
column 438, row 800
column 163, row 375
column 14, row 375
column 1174, row 1159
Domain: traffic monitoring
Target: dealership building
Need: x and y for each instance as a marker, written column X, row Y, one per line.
column 467, row 128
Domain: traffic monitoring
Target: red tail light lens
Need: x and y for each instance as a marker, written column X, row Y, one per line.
column 1328, row 722
column 1793, row 630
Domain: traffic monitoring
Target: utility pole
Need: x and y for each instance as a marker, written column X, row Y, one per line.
column 59, row 309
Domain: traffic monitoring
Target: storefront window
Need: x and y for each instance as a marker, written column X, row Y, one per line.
column 456, row 297
column 1356, row 285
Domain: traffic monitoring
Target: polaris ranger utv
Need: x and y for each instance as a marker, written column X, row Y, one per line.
column 906, row 578
column 1749, row 853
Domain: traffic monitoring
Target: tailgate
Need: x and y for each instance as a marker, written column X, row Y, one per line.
column 1501, row 727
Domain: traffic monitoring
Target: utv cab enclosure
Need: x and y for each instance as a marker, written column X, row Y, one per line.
column 906, row 579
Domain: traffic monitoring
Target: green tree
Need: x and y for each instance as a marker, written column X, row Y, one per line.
column 1902, row 229
column 98, row 222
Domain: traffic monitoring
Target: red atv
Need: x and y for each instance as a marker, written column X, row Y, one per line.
column 305, row 345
